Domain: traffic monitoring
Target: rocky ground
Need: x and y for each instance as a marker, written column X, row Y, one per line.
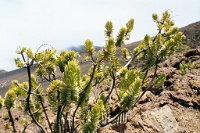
column 171, row 108
column 174, row 107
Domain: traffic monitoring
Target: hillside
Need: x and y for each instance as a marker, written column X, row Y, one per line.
column 174, row 107
column 2, row 71
column 192, row 32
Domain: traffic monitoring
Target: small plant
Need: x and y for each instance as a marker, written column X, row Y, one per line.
column 6, row 116
column 184, row 47
column 69, row 96
column 1, row 102
column 186, row 66
column 7, row 126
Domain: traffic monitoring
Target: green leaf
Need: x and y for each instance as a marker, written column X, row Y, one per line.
column 10, row 98
column 29, row 53
column 110, row 46
column 120, row 37
column 34, row 82
column 72, row 74
column 69, row 91
column 160, row 80
column 55, row 86
column 38, row 56
column 129, row 27
column 122, row 72
column 89, row 47
column 115, row 64
column 173, row 31
column 7, row 126
column 128, row 97
column 39, row 91
column 1, row 102
column 52, row 99
column 110, row 50
column 74, row 94
column 109, row 29
column 125, row 53
column 21, row 89
column 24, row 122
column 52, row 94
column 40, row 71
column 159, row 40
column 23, row 49
column 19, row 63
column 66, row 96
column 155, row 17
column 86, row 92
column 94, row 117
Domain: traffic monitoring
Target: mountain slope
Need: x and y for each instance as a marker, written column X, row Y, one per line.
column 173, row 107
column 192, row 33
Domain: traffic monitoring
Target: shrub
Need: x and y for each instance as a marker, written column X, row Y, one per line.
column 186, row 66
column 69, row 96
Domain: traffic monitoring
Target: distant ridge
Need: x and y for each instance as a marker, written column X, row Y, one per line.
column 81, row 49
column 3, row 71
column 192, row 33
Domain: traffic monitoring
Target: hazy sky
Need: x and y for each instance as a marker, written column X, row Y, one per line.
column 65, row 23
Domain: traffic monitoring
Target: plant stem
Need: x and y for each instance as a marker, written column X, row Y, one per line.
column 79, row 104
column 47, row 118
column 134, row 57
column 67, row 123
column 58, row 112
column 112, row 119
column 150, row 85
column 111, row 87
column 12, row 121
column 73, row 118
column 24, row 129
column 28, row 100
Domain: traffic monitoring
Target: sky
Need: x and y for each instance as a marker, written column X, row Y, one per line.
column 65, row 23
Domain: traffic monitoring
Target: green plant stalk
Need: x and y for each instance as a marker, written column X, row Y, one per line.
column 134, row 57
column 61, row 123
column 91, row 78
column 47, row 118
column 111, row 87
column 112, row 119
column 28, row 101
column 25, row 128
column 58, row 113
column 150, row 85
column 12, row 121
column 67, row 123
